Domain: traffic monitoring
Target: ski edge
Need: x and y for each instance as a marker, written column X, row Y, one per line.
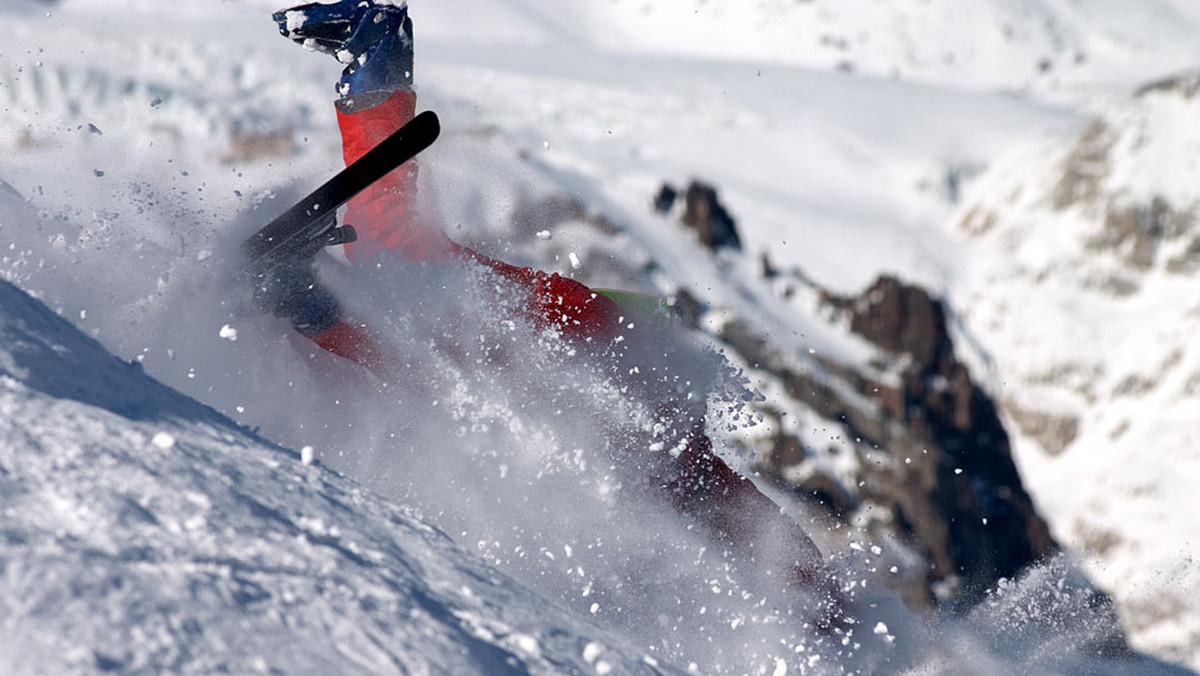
column 322, row 203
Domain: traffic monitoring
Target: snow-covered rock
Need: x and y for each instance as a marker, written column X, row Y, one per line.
column 1091, row 314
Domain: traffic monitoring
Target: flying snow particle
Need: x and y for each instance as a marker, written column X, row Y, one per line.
column 526, row 644
column 575, row 262
column 228, row 333
column 306, row 455
column 163, row 440
column 780, row 667
column 592, row 651
column 544, row 234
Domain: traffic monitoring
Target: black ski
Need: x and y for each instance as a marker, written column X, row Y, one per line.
column 310, row 225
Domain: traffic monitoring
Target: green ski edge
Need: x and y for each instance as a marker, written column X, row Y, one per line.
column 641, row 305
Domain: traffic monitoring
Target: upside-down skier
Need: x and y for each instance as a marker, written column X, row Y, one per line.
column 374, row 38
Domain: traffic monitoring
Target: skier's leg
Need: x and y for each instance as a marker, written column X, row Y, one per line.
column 376, row 99
column 751, row 524
column 375, row 40
column 385, row 215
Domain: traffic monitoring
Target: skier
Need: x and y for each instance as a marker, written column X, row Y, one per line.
column 374, row 39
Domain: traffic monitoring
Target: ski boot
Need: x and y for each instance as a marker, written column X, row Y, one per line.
column 373, row 38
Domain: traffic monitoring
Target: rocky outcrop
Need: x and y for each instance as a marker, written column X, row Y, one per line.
column 935, row 472
column 961, row 494
column 934, row 458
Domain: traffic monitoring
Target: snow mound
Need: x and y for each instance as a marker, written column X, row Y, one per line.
column 143, row 532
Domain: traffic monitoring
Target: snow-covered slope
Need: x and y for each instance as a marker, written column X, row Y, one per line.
column 145, row 533
column 1055, row 48
column 1091, row 315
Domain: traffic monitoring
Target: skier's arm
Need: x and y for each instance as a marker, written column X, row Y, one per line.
column 354, row 341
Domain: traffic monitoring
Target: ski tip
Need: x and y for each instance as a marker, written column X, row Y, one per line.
column 429, row 120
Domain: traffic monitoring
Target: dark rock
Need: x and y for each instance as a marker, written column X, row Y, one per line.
column 664, row 201
column 686, row 308
column 903, row 319
column 957, row 483
column 769, row 271
column 1186, row 84
column 821, row 490
column 932, row 449
column 703, row 213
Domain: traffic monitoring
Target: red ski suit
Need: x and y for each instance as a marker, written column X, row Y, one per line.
column 702, row 485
